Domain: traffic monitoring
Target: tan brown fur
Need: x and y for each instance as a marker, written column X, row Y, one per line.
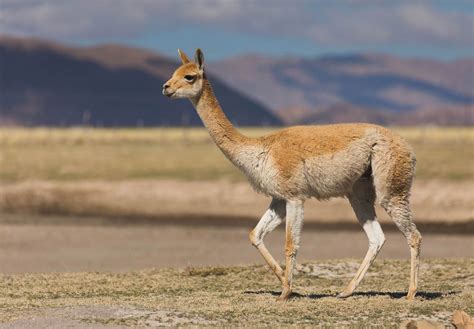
column 292, row 145
column 401, row 173
column 188, row 68
column 358, row 161
column 184, row 58
column 216, row 121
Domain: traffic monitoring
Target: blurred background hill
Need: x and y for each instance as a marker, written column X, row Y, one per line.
column 52, row 84
column 368, row 87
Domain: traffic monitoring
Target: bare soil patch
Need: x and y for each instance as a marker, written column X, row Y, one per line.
column 35, row 246
column 102, row 316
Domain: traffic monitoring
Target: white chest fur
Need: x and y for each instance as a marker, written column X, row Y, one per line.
column 255, row 163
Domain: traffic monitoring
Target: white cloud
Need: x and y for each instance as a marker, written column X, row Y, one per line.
column 435, row 25
column 326, row 23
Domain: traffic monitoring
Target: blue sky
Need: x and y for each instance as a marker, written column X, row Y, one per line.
column 224, row 28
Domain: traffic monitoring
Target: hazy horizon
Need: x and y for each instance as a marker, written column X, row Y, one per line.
column 168, row 53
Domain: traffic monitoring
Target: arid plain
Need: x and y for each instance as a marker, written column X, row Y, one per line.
column 162, row 203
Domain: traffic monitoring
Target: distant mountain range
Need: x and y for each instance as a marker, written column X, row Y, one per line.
column 372, row 87
column 47, row 83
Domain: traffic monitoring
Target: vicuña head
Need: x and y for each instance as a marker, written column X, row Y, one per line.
column 186, row 81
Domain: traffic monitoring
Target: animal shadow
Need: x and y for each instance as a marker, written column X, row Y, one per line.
column 427, row 295
column 293, row 294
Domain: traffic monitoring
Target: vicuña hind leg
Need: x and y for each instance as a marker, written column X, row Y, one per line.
column 270, row 220
column 399, row 211
column 362, row 201
column 294, row 223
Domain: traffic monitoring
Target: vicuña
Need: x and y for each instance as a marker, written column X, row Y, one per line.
column 362, row 162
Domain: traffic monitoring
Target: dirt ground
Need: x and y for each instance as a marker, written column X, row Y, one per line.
column 43, row 283
column 237, row 296
column 143, row 245
column 39, row 244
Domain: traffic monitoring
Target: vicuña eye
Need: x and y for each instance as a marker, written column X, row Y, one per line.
column 190, row 77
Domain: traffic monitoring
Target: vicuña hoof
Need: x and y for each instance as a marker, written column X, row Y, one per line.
column 344, row 294
column 411, row 295
column 284, row 295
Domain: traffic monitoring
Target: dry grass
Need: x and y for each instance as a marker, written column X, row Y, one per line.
column 243, row 295
column 122, row 154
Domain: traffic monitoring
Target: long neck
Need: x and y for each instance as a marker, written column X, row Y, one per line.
column 224, row 134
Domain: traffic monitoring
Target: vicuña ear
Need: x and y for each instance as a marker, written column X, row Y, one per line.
column 183, row 57
column 199, row 59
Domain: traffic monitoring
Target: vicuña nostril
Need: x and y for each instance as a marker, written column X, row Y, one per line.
column 165, row 86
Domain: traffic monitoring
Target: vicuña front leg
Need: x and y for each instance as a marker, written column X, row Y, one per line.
column 294, row 223
column 270, row 220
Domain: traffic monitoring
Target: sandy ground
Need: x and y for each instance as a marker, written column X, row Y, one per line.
column 99, row 317
column 97, row 246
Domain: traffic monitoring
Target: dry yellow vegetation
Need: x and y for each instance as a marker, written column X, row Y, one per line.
column 183, row 153
column 237, row 296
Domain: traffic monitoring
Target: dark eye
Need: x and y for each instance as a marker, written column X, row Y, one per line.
column 189, row 77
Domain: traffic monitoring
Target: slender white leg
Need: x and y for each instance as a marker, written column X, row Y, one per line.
column 399, row 211
column 415, row 245
column 270, row 220
column 294, row 224
column 362, row 201
column 376, row 240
